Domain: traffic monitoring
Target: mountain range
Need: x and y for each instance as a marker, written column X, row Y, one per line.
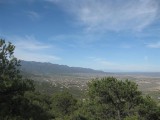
column 49, row 68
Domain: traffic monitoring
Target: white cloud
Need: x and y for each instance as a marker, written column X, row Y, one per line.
column 29, row 43
column 34, row 56
column 33, row 15
column 30, row 49
column 114, row 15
column 154, row 45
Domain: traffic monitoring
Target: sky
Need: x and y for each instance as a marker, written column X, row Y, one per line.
column 109, row 35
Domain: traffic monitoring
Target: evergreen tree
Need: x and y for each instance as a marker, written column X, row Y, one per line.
column 12, row 85
column 63, row 104
column 112, row 98
column 18, row 101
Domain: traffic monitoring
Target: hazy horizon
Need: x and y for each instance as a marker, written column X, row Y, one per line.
column 113, row 36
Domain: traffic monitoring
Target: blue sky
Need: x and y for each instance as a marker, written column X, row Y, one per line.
column 110, row 35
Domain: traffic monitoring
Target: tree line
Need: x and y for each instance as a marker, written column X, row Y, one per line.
column 105, row 99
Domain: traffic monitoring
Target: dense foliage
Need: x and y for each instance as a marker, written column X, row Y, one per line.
column 105, row 99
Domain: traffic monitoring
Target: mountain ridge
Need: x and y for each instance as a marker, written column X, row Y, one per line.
column 49, row 68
